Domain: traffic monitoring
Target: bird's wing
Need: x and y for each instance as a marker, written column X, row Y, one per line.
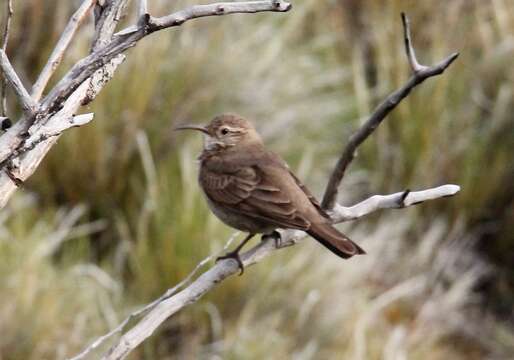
column 256, row 191
column 311, row 197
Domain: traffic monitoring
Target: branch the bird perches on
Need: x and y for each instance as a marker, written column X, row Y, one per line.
column 24, row 145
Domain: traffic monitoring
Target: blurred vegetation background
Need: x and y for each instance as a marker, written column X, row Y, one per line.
column 114, row 216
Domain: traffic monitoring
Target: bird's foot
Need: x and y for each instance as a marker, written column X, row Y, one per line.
column 233, row 255
column 277, row 239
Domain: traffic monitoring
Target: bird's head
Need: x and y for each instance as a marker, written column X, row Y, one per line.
column 226, row 131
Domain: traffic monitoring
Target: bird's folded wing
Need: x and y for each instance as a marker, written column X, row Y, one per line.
column 251, row 192
column 311, row 197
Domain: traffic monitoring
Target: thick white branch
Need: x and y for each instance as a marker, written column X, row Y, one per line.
column 222, row 8
column 393, row 201
column 27, row 103
column 55, row 127
column 57, row 54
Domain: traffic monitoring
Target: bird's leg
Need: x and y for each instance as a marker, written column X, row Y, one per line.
column 235, row 253
column 277, row 239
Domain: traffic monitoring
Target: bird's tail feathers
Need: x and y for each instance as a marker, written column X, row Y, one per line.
column 334, row 240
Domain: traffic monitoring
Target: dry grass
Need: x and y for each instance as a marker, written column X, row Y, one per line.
column 307, row 78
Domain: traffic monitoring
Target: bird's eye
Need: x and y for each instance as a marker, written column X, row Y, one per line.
column 224, row 131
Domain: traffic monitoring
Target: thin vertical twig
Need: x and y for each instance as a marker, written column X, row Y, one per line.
column 409, row 49
column 5, row 41
column 142, row 8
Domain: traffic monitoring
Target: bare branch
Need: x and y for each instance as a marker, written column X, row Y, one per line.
column 54, row 128
column 169, row 305
column 128, row 38
column 398, row 200
column 21, row 162
column 107, row 16
column 28, row 104
column 142, row 8
column 421, row 73
column 339, row 214
column 222, row 8
column 409, row 49
column 170, row 292
column 5, row 40
column 58, row 52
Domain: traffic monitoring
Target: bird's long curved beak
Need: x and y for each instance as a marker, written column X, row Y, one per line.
column 192, row 127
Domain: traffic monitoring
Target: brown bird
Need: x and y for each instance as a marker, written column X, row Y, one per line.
column 252, row 189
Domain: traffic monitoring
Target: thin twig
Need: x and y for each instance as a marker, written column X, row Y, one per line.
column 409, row 49
column 27, row 103
column 5, row 40
column 62, row 45
column 421, row 73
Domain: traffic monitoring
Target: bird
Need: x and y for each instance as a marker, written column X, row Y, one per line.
column 252, row 189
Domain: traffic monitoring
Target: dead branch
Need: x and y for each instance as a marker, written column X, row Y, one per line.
column 24, row 145
column 172, row 302
column 5, row 40
column 419, row 74
column 142, row 8
column 60, row 48
column 27, row 103
column 24, row 159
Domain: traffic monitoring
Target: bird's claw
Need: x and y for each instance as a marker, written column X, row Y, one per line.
column 277, row 239
column 233, row 255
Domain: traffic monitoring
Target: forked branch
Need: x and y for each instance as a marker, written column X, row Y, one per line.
column 419, row 74
column 18, row 155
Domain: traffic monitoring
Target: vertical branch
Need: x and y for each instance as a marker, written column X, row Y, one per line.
column 409, row 49
column 420, row 74
column 5, row 40
column 107, row 16
column 142, row 8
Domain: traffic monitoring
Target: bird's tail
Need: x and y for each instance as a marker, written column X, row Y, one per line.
column 334, row 240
